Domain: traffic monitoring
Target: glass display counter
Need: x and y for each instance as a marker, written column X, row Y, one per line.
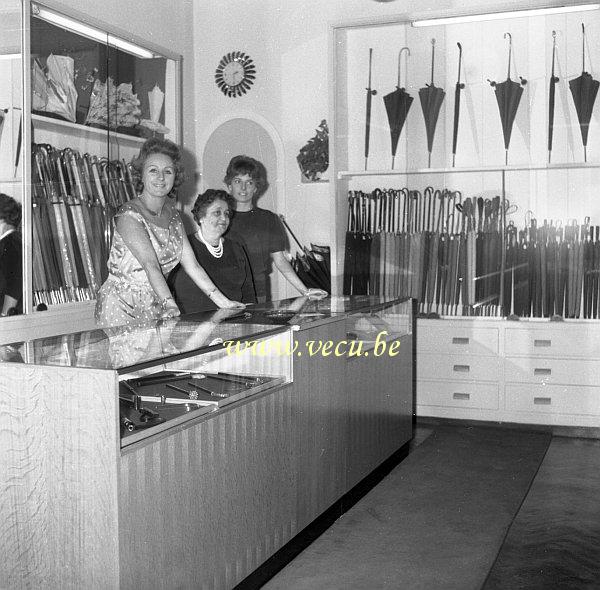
column 170, row 371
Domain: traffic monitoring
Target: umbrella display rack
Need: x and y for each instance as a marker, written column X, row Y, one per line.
column 453, row 256
column 74, row 199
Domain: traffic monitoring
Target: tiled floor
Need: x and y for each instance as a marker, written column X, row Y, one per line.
column 467, row 508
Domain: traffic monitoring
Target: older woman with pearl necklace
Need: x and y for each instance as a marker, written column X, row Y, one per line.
column 224, row 260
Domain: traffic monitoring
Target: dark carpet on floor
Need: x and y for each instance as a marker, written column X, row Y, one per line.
column 436, row 521
column 554, row 542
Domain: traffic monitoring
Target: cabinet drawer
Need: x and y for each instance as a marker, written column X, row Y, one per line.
column 457, row 339
column 552, row 371
column 458, row 395
column 558, row 341
column 461, row 367
column 553, row 399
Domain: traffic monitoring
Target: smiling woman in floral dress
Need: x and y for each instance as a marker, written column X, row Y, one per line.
column 149, row 241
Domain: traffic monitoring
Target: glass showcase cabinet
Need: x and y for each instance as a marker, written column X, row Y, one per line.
column 77, row 102
column 466, row 175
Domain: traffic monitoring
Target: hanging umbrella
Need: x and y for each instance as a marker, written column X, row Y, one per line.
column 397, row 105
column 310, row 267
column 459, row 86
column 584, row 90
column 508, row 96
column 551, row 93
column 431, row 100
column 370, row 94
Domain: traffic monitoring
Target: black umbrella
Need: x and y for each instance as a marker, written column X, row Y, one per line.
column 397, row 104
column 584, row 90
column 552, row 91
column 431, row 101
column 459, row 86
column 370, row 94
column 508, row 96
column 311, row 267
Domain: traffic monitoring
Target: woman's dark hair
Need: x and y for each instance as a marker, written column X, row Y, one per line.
column 10, row 210
column 240, row 165
column 157, row 146
column 206, row 199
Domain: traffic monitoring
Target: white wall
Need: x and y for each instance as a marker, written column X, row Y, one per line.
column 288, row 41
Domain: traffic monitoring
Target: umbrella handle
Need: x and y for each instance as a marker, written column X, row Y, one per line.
column 399, row 60
column 583, row 46
column 509, row 50
column 432, row 58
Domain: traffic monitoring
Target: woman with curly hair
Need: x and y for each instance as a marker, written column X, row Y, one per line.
column 11, row 274
column 149, row 241
column 223, row 259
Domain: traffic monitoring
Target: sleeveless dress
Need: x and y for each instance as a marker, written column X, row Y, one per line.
column 126, row 297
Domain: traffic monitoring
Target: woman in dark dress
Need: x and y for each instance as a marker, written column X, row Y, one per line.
column 224, row 260
column 11, row 275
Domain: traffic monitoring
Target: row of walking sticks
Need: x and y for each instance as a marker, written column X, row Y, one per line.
column 74, row 199
column 458, row 256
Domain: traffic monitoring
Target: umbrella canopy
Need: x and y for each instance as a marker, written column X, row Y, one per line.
column 584, row 90
column 397, row 105
column 431, row 101
column 508, row 96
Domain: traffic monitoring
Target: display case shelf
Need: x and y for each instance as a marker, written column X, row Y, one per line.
column 68, row 129
column 481, row 169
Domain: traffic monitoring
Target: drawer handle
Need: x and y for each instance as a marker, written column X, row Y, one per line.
column 461, row 396
column 461, row 368
column 460, row 341
column 542, row 371
column 542, row 343
column 542, row 401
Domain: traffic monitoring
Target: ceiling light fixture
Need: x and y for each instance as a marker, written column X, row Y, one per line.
column 88, row 31
column 467, row 18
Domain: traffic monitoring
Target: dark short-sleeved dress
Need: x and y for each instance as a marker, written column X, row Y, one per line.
column 261, row 233
column 230, row 274
column 11, row 268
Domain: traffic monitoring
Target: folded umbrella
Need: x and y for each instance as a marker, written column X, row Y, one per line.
column 370, row 94
column 397, row 105
column 551, row 94
column 584, row 90
column 431, row 101
column 459, row 86
column 508, row 96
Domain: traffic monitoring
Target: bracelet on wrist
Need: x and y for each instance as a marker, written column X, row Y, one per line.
column 211, row 293
column 165, row 302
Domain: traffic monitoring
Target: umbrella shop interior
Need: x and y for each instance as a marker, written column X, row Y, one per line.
column 435, row 170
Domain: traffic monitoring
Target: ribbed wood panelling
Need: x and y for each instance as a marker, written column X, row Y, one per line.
column 58, row 478
column 379, row 391
column 204, row 507
column 320, row 409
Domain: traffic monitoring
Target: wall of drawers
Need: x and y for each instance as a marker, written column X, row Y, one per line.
column 536, row 371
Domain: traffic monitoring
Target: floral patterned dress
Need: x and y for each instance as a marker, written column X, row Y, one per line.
column 126, row 297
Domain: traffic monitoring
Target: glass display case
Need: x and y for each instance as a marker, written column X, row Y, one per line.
column 445, row 194
column 85, row 100
column 172, row 371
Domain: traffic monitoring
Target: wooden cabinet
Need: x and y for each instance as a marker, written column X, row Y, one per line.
column 541, row 373
column 200, row 501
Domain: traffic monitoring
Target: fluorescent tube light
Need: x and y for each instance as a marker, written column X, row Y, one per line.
column 467, row 18
column 87, row 31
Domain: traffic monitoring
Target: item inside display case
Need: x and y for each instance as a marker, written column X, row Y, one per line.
column 91, row 82
column 154, row 399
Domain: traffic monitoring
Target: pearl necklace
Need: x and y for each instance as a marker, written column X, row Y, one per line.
column 150, row 211
column 216, row 251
